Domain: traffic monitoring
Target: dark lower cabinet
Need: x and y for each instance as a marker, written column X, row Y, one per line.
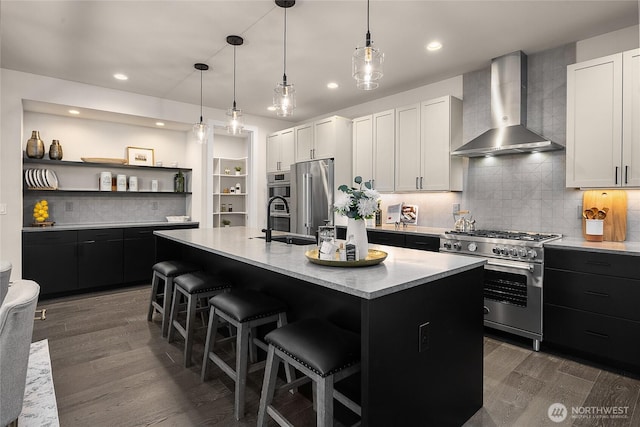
column 590, row 306
column 424, row 243
column 100, row 257
column 139, row 253
column 49, row 258
column 397, row 238
column 386, row 238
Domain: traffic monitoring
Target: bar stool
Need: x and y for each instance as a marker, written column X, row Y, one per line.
column 246, row 310
column 166, row 271
column 192, row 287
column 320, row 350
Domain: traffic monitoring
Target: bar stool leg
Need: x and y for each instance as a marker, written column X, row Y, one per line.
column 175, row 307
column 324, row 392
column 268, row 386
column 191, row 316
column 241, row 369
column 154, row 295
column 210, row 342
column 168, row 292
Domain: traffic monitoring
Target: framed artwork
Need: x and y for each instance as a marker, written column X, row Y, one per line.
column 138, row 156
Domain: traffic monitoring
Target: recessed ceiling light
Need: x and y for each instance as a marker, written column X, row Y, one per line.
column 159, row 124
column 120, row 76
column 332, row 85
column 434, row 46
column 76, row 112
column 271, row 108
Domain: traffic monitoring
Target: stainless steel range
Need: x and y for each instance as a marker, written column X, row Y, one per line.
column 513, row 276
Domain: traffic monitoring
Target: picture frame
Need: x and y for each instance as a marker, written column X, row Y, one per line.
column 139, row 156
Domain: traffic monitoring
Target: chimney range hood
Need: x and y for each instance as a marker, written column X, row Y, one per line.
column 509, row 133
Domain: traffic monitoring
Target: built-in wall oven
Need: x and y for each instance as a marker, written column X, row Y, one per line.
column 279, row 184
column 513, row 277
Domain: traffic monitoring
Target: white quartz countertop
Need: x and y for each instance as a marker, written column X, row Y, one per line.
column 403, row 268
column 66, row 227
column 618, row 248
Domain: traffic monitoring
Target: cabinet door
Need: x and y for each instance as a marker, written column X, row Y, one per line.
column 631, row 121
column 304, row 142
column 434, row 144
column 99, row 257
column 363, row 148
column 50, row 259
column 408, row 148
column 325, row 135
column 594, row 122
column 287, row 149
column 273, row 152
column 139, row 254
column 384, row 150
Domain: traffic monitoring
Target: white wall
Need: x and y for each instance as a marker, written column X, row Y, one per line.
column 607, row 44
column 17, row 86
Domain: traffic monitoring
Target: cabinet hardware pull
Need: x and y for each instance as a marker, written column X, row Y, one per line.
column 421, row 187
column 598, row 263
column 616, row 175
column 597, row 294
column 89, row 241
column 421, row 243
column 626, row 174
column 596, row 334
column 417, row 183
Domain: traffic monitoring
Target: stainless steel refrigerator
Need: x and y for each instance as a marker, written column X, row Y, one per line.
column 311, row 196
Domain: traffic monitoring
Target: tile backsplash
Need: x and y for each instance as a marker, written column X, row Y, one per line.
column 524, row 192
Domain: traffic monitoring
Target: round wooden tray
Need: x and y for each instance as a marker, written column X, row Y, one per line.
column 374, row 257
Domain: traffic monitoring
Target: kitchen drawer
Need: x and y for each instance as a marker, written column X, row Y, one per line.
column 593, row 262
column 49, row 237
column 386, row 238
column 138, row 232
column 607, row 338
column 611, row 296
column 425, row 243
column 100, row 235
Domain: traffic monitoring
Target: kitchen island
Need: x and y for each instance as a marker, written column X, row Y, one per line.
column 419, row 315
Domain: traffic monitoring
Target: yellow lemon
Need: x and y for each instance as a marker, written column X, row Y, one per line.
column 46, row 215
column 44, row 203
column 40, row 219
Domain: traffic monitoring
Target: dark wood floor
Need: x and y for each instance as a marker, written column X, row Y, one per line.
column 111, row 367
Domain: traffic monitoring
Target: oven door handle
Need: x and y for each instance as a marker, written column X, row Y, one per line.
column 527, row 267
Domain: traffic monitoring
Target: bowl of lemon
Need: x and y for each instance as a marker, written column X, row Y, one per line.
column 41, row 214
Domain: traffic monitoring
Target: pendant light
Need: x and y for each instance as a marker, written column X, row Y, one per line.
column 367, row 63
column 201, row 129
column 284, row 95
column 234, row 127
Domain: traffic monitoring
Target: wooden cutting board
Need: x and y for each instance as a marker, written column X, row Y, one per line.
column 615, row 223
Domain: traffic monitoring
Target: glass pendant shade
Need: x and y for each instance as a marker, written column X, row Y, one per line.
column 284, row 99
column 234, row 125
column 200, row 130
column 367, row 67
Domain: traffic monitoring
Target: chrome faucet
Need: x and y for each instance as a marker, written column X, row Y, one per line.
column 269, row 220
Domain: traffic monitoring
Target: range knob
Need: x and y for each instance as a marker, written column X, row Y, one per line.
column 472, row 247
column 513, row 252
column 532, row 254
column 522, row 252
column 457, row 245
column 503, row 251
column 447, row 245
column 496, row 250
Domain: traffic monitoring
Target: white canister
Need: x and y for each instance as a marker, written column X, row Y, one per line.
column 133, row 183
column 121, row 182
column 154, row 185
column 105, row 181
column 238, row 188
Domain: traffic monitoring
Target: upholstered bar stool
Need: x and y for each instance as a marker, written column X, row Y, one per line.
column 164, row 274
column 320, row 350
column 192, row 288
column 246, row 310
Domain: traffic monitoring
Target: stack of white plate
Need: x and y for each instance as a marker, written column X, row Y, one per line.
column 41, row 178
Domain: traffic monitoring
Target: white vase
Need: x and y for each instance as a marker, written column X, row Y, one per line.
column 358, row 229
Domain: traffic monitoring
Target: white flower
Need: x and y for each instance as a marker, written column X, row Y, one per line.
column 367, row 207
column 343, row 203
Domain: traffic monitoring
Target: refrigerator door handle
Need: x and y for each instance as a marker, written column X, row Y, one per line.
column 307, row 201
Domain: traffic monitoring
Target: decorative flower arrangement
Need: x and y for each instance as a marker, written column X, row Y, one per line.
column 357, row 203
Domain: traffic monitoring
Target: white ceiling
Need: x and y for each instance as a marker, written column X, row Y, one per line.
column 156, row 43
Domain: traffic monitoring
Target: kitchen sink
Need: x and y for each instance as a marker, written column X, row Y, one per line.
column 292, row 240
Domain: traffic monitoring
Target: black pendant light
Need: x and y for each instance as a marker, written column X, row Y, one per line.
column 201, row 129
column 284, row 95
column 234, row 126
column 367, row 63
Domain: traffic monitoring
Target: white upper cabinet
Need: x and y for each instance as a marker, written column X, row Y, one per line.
column 603, row 148
column 408, row 157
column 425, row 135
column 631, row 118
column 374, row 149
column 321, row 139
column 280, row 150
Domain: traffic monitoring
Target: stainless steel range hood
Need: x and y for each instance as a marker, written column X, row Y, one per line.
column 509, row 133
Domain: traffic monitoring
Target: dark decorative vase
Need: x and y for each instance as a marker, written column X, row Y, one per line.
column 178, row 182
column 35, row 146
column 55, row 150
